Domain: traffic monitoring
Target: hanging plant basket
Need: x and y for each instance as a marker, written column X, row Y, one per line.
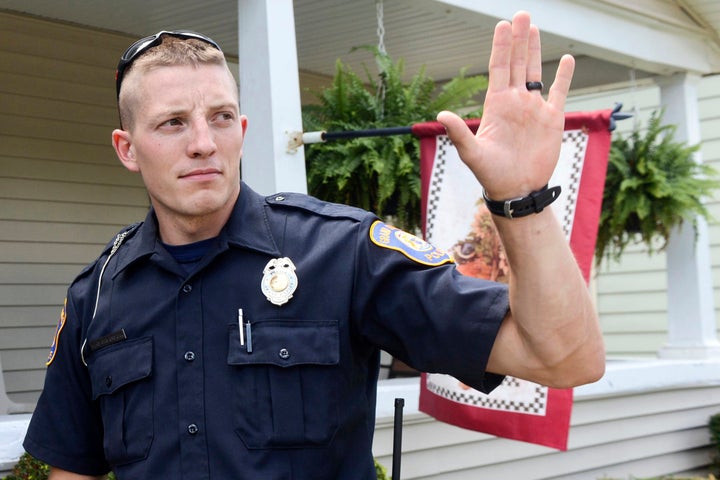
column 653, row 185
column 380, row 174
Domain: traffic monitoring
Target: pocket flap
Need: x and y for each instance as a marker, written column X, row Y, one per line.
column 116, row 366
column 286, row 343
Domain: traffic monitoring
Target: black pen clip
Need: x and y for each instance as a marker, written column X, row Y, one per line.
column 248, row 337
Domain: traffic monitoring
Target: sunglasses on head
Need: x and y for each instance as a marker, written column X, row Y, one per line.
column 145, row 44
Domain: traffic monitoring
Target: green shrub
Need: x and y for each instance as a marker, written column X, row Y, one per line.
column 30, row 468
column 666, row 477
column 381, row 472
column 715, row 437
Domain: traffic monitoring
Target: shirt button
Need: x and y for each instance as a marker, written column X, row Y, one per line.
column 284, row 354
column 108, row 381
column 189, row 356
column 187, row 288
column 192, row 429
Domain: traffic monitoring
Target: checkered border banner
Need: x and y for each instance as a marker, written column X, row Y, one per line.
column 513, row 395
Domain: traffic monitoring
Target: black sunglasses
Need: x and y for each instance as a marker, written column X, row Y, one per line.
column 145, row 44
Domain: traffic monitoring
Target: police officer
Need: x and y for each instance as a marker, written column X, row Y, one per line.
column 231, row 335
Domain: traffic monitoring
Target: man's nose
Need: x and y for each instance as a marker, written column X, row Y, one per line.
column 202, row 142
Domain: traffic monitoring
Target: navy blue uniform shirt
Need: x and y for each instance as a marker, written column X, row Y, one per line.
column 169, row 390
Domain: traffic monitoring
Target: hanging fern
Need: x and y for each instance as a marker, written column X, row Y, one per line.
column 653, row 185
column 380, row 174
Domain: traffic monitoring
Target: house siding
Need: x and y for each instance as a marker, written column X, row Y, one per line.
column 615, row 433
column 63, row 194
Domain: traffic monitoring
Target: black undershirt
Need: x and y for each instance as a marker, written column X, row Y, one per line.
column 189, row 255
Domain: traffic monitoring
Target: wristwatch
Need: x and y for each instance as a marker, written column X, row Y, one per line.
column 522, row 206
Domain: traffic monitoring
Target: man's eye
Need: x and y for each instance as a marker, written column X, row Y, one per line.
column 173, row 122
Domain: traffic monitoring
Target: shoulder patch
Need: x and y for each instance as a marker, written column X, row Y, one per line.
column 413, row 247
column 56, row 338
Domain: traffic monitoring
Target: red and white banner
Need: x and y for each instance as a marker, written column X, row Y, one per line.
column 455, row 219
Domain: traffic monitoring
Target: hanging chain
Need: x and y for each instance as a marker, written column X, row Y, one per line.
column 380, row 97
column 380, row 26
column 633, row 92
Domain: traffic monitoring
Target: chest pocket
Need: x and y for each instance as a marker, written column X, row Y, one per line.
column 286, row 389
column 120, row 376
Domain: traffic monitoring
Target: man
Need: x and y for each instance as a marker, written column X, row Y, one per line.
column 235, row 336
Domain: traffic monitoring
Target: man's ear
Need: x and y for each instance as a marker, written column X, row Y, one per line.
column 244, row 123
column 122, row 143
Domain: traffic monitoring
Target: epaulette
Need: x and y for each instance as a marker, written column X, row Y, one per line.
column 316, row 206
column 121, row 236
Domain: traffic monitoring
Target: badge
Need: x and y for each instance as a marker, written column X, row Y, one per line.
column 414, row 248
column 279, row 280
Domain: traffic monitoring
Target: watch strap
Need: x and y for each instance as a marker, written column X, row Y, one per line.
column 535, row 202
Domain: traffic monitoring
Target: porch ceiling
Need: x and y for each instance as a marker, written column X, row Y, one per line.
column 609, row 37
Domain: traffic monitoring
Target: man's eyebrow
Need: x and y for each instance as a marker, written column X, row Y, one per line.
column 169, row 113
column 225, row 106
column 174, row 113
column 181, row 112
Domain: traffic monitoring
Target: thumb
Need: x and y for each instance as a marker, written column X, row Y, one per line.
column 459, row 133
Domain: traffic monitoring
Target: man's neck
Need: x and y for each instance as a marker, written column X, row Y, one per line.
column 175, row 230
column 178, row 232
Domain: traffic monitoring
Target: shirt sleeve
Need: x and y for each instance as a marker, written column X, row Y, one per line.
column 411, row 301
column 65, row 430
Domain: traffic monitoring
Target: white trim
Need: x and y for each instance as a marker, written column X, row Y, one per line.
column 12, row 433
column 270, row 96
column 633, row 40
column 622, row 377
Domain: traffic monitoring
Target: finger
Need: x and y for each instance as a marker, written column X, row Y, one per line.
column 561, row 86
column 534, row 64
column 499, row 66
column 519, row 55
column 458, row 132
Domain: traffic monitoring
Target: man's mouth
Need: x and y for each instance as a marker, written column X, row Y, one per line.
column 202, row 174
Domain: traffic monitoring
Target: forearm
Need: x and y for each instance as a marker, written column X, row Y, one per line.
column 551, row 335
column 552, row 319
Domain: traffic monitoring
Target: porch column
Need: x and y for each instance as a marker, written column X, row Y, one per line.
column 691, row 309
column 270, row 96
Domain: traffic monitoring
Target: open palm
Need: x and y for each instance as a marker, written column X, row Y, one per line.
column 517, row 145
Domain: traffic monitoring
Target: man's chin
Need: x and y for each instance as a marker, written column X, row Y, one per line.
column 208, row 203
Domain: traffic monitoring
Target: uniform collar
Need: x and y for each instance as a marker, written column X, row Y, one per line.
column 247, row 227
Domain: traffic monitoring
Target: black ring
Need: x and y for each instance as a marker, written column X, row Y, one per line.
column 534, row 86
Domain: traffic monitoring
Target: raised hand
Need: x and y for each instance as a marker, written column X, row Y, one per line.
column 517, row 145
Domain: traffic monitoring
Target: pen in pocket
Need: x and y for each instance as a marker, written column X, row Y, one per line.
column 245, row 332
column 248, row 335
column 241, row 327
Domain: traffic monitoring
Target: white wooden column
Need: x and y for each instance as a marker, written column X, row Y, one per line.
column 270, row 96
column 691, row 309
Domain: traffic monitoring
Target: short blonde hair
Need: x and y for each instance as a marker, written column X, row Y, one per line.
column 172, row 51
